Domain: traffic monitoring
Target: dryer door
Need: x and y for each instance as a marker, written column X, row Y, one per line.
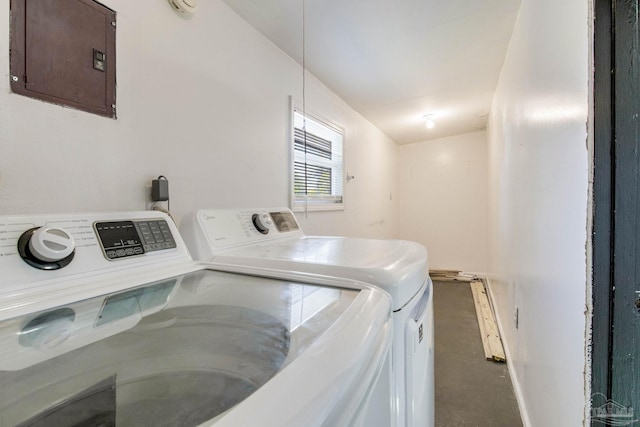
column 419, row 362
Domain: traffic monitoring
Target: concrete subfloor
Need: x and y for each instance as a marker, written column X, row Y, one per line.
column 470, row 390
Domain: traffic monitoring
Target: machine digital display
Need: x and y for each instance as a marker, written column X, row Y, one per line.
column 119, row 239
column 284, row 221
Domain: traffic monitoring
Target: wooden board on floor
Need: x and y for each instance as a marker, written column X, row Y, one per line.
column 450, row 276
column 483, row 332
column 491, row 342
column 444, row 272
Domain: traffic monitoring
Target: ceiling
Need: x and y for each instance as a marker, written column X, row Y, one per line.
column 396, row 61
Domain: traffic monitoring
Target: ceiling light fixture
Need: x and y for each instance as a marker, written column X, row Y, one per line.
column 429, row 121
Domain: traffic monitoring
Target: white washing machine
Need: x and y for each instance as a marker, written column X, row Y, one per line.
column 106, row 320
column 272, row 238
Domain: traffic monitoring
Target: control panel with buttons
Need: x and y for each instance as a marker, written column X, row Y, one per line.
column 41, row 256
column 121, row 239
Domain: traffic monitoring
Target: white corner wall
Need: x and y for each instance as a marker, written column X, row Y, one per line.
column 538, row 189
column 203, row 101
column 444, row 201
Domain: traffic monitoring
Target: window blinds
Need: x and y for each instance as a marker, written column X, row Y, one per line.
column 317, row 163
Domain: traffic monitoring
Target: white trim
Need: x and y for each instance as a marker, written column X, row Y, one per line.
column 588, row 338
column 522, row 405
column 295, row 104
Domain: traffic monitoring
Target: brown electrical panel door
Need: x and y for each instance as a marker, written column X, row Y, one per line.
column 64, row 51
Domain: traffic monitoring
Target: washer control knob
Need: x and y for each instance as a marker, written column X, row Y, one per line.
column 50, row 244
column 262, row 222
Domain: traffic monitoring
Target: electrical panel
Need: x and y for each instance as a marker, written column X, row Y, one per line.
column 64, row 51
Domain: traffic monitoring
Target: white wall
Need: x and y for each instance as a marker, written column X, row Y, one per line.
column 443, row 200
column 538, row 207
column 204, row 101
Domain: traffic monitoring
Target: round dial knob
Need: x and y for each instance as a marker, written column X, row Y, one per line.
column 49, row 244
column 262, row 222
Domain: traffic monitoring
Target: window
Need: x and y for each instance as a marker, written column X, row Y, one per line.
column 317, row 164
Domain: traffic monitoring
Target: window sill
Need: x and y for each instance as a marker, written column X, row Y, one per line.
column 315, row 207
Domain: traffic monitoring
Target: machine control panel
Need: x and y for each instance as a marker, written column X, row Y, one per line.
column 210, row 230
column 284, row 221
column 43, row 256
column 121, row 239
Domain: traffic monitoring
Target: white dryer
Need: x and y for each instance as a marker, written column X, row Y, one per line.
column 106, row 320
column 272, row 239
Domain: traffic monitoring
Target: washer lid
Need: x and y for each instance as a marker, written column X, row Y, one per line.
column 180, row 351
column 399, row 267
